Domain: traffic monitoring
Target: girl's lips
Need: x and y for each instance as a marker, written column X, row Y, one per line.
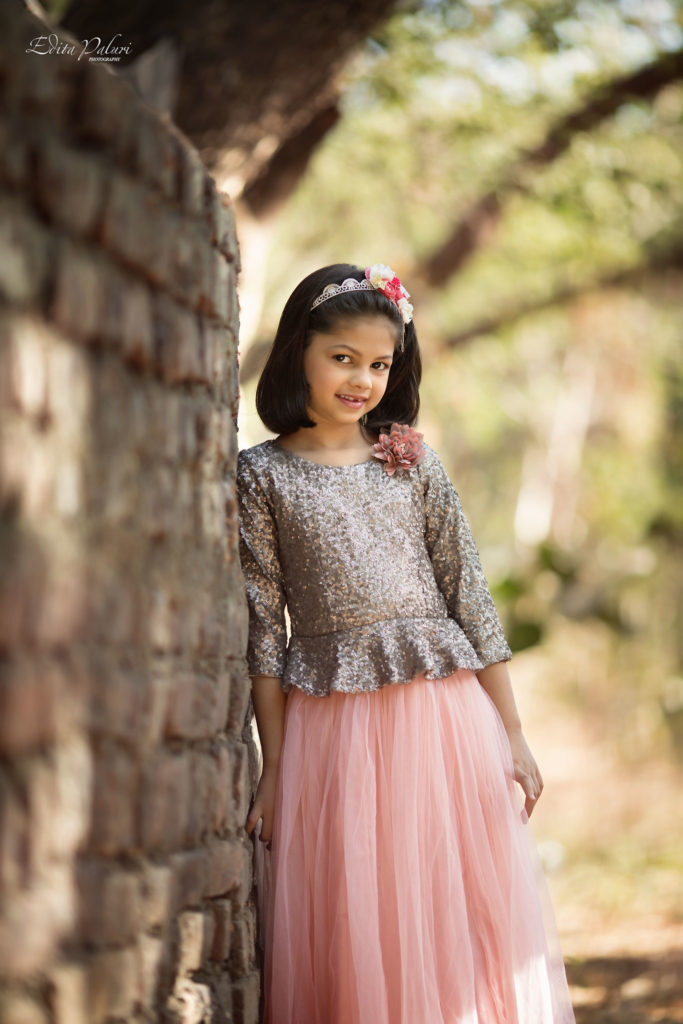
column 353, row 403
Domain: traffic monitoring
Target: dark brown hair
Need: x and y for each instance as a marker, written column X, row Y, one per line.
column 282, row 390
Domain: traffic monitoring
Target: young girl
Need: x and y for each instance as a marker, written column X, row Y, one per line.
column 402, row 884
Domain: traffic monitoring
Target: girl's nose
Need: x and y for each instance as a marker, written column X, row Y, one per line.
column 361, row 377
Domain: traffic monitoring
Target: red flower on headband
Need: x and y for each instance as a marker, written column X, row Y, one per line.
column 393, row 289
column 401, row 448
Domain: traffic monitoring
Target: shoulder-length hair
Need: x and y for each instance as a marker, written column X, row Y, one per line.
column 282, row 390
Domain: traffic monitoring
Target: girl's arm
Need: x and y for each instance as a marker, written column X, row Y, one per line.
column 496, row 681
column 269, row 708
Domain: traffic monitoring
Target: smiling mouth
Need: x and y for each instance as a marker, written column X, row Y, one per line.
column 357, row 399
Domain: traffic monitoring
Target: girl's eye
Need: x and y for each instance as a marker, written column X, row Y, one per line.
column 379, row 364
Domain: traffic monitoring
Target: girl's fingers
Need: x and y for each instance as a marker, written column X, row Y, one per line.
column 256, row 814
column 531, row 789
column 252, row 821
column 266, row 829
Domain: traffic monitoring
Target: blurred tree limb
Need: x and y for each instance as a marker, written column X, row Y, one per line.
column 658, row 260
column 479, row 222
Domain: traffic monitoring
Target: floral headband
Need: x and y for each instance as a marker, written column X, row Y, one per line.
column 378, row 277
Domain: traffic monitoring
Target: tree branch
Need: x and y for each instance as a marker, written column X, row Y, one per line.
column 479, row 222
column 666, row 259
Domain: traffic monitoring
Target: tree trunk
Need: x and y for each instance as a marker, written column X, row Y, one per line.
column 257, row 85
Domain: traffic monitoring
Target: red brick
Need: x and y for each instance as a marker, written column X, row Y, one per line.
column 192, row 177
column 241, row 946
column 225, row 865
column 60, row 616
column 137, row 228
column 127, row 318
column 213, row 210
column 69, row 983
column 227, row 240
column 110, row 904
column 127, row 704
column 111, row 609
column 190, row 263
column 34, row 922
column 79, row 294
column 156, row 152
column 14, row 837
column 222, row 916
column 20, row 1008
column 190, row 705
column 222, row 702
column 245, row 999
column 178, row 342
column 202, row 772
column 27, row 706
column 195, row 939
column 71, row 767
column 221, row 798
column 113, row 984
column 69, row 387
column 158, row 518
column 157, row 894
column 240, row 684
column 223, row 286
column 69, row 185
column 114, row 800
column 241, row 787
column 189, row 877
column 166, row 796
column 192, row 425
column 190, row 1001
column 28, row 254
column 26, row 370
column 151, row 963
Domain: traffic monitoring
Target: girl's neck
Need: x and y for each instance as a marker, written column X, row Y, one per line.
column 313, row 439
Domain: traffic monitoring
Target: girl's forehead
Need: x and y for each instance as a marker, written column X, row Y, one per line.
column 364, row 331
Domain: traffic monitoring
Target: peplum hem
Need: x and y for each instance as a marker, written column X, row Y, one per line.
column 369, row 657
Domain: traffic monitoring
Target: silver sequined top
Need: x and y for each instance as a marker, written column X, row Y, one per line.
column 380, row 574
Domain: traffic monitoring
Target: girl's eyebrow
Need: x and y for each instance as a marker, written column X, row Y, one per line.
column 342, row 344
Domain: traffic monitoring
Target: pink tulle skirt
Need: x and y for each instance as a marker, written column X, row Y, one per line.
column 401, row 886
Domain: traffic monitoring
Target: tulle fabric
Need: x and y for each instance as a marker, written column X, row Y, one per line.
column 400, row 888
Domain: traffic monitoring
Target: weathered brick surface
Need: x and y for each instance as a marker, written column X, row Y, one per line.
column 125, row 765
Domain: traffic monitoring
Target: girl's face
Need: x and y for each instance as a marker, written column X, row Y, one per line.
column 347, row 369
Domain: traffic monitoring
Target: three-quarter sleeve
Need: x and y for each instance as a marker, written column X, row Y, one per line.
column 259, row 557
column 457, row 566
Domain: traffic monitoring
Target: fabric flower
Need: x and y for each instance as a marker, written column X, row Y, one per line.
column 401, row 448
column 406, row 310
column 386, row 281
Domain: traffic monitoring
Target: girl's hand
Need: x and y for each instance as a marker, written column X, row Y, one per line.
column 527, row 773
column 262, row 807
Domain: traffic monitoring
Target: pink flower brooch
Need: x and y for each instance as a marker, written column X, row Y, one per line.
column 401, row 448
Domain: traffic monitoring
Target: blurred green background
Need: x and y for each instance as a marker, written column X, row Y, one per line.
column 553, row 384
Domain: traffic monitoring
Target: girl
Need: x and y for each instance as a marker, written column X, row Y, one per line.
column 402, row 885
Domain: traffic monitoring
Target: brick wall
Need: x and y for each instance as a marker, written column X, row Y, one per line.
column 125, row 768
